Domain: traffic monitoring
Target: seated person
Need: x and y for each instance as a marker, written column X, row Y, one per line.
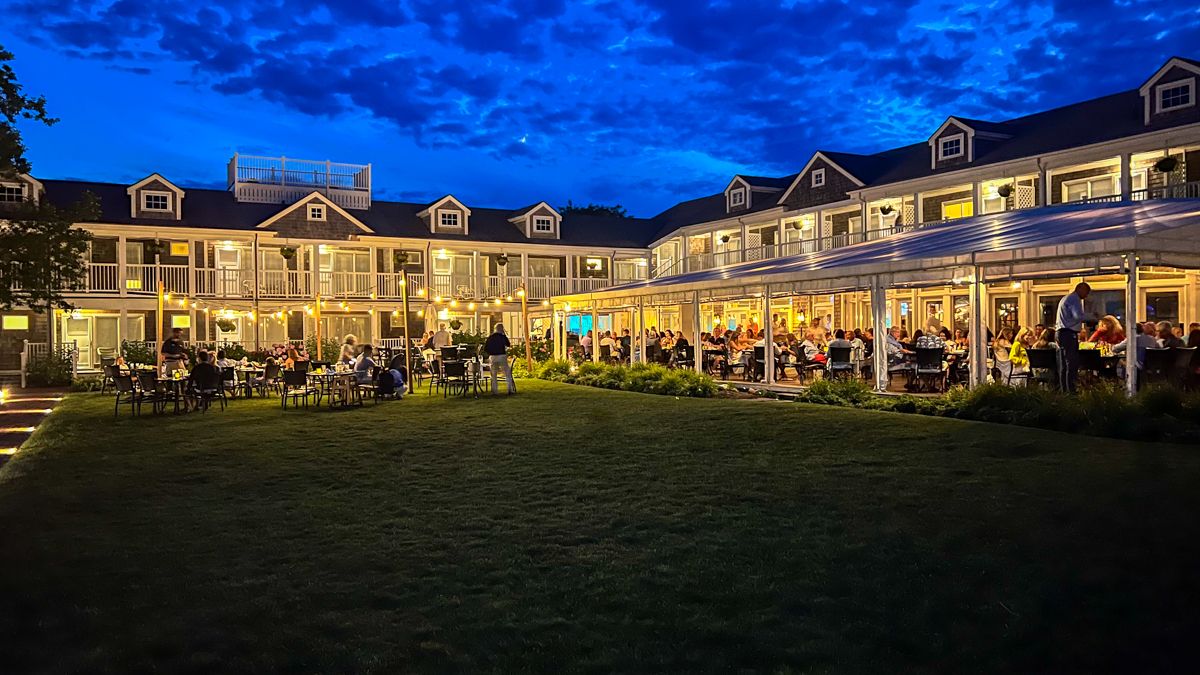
column 1142, row 341
column 223, row 361
column 204, row 376
column 364, row 365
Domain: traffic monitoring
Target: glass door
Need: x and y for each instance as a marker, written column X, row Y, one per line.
column 79, row 330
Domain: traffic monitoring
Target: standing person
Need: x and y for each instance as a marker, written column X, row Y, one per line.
column 174, row 355
column 1067, row 325
column 496, row 347
column 349, row 350
column 440, row 339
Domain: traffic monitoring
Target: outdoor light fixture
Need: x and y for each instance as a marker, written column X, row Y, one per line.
column 471, row 306
column 1016, row 285
column 508, row 298
column 454, row 303
column 421, row 292
column 545, row 303
column 437, row 298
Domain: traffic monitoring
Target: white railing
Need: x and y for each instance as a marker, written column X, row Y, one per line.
column 1189, row 190
column 453, row 285
column 495, row 286
column 346, row 284
column 32, row 352
column 546, row 287
column 140, row 278
column 585, row 285
column 285, row 284
column 225, row 283
column 272, row 180
column 102, row 277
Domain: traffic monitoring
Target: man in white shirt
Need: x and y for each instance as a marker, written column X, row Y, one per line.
column 1071, row 315
column 441, row 338
column 1141, row 343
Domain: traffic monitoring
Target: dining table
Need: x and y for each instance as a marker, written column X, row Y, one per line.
column 330, row 381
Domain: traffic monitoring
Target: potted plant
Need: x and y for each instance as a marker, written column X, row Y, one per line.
column 155, row 248
column 288, row 252
column 400, row 258
column 886, row 209
column 502, row 259
column 455, row 324
column 1166, row 164
column 1005, row 190
column 226, row 325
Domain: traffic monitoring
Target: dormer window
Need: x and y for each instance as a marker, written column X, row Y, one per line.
column 543, row 224
column 11, row 193
column 316, row 212
column 156, row 201
column 448, row 219
column 951, row 147
column 818, row 178
column 737, row 198
column 1176, row 95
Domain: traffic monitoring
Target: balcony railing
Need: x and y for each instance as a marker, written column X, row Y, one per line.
column 584, row 285
column 143, row 279
column 546, row 287
column 495, row 286
column 389, row 285
column 273, row 180
column 346, row 284
column 102, row 277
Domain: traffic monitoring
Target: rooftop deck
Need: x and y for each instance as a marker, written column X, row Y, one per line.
column 279, row 180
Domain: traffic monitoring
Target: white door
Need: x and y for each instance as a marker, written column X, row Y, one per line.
column 80, row 331
column 228, row 263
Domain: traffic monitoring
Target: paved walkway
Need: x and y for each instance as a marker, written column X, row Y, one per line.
column 22, row 411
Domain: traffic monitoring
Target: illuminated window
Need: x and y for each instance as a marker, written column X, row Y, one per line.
column 448, row 218
column 156, row 201
column 1175, row 95
column 316, row 212
column 543, row 224
column 1091, row 188
column 950, row 147
column 179, row 248
column 962, row 208
column 181, row 321
column 818, row 177
column 16, row 322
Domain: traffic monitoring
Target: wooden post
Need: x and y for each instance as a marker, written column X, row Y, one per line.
column 595, row 334
column 697, row 348
column 257, row 345
column 978, row 333
column 1131, row 296
column 404, row 301
column 317, row 328
column 768, row 339
column 525, row 319
column 159, row 335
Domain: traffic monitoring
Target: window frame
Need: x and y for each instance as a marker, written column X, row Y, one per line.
column 1159, row 90
column 543, row 220
column 735, row 195
column 6, row 186
column 147, row 194
column 943, row 141
column 321, row 212
column 441, row 219
column 1114, row 178
column 968, row 202
column 818, row 178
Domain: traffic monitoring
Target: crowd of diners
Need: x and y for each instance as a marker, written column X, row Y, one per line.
column 799, row 351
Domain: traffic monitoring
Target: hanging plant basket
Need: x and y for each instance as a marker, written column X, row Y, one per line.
column 502, row 259
column 1005, row 190
column 455, row 324
column 287, row 252
column 156, row 248
column 400, row 258
column 886, row 209
column 1166, row 165
column 226, row 325
column 724, row 239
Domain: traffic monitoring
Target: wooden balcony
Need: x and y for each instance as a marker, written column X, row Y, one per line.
column 280, row 180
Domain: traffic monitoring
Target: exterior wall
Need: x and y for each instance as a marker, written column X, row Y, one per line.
column 837, row 184
column 434, row 221
column 542, row 211
column 155, row 186
column 12, row 342
column 296, row 224
column 958, row 162
column 1174, row 117
column 931, row 207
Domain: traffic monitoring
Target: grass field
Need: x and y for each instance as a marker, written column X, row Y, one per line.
column 578, row 530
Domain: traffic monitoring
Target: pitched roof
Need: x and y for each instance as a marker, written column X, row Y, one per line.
column 778, row 183
column 209, row 208
column 712, row 207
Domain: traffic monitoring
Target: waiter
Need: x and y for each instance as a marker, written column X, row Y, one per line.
column 1066, row 332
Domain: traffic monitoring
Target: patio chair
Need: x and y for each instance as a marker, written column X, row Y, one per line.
column 606, row 355
column 1043, row 366
column 930, row 369
column 454, row 377
column 269, row 379
column 760, row 364
column 207, row 386
column 1090, row 364
column 301, row 366
column 840, row 363
column 152, row 391
column 805, row 369
column 126, row 393
column 449, row 353
column 110, row 371
column 1158, row 365
column 229, row 381
column 685, row 357
column 1182, row 365
column 296, row 387
column 732, row 365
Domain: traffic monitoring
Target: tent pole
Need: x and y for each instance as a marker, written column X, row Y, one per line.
column 697, row 348
column 1131, row 296
column 978, row 336
column 768, row 342
column 878, row 319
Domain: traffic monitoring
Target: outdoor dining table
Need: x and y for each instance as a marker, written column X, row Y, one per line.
column 178, row 388
column 328, row 380
column 250, row 371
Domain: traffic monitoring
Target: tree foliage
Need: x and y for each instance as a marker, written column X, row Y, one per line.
column 16, row 106
column 594, row 209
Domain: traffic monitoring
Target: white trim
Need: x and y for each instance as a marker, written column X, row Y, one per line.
column 821, row 156
column 156, row 193
column 1146, row 87
column 132, row 190
column 441, row 215
column 736, row 179
column 818, row 173
column 329, row 205
column 549, row 223
column 1189, row 84
column 319, row 209
column 731, row 204
column 429, row 209
column 521, row 215
column 942, row 155
column 20, row 185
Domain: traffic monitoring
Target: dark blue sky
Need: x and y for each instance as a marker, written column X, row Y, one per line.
column 503, row 103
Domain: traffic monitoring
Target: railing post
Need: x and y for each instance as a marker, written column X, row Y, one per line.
column 24, row 362
column 1126, row 177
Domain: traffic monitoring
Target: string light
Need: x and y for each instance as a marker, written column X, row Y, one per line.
column 471, row 306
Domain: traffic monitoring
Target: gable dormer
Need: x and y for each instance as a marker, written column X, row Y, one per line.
column 957, row 141
column 539, row 221
column 155, row 197
column 446, row 216
column 20, row 189
column 1169, row 96
column 821, row 181
column 737, row 195
column 315, row 216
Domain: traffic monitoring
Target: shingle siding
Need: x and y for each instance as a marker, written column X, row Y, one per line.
column 296, row 224
column 155, row 186
column 931, row 207
column 957, row 162
column 837, row 185
column 1174, row 117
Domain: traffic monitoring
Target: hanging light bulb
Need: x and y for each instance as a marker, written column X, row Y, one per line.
column 545, row 303
column 395, row 312
column 420, row 312
column 421, row 292
column 454, row 303
column 471, row 306
column 372, row 296
column 437, row 298
column 508, row 298
column 521, row 292
column 167, row 297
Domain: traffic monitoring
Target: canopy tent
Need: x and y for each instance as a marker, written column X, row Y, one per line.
column 1060, row 240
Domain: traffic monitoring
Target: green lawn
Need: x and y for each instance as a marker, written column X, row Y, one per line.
column 570, row 529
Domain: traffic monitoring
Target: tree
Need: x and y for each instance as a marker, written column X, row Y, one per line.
column 594, row 209
column 41, row 253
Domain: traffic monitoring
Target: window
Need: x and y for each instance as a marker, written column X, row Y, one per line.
column 818, row 178
column 16, row 322
column 543, row 224
column 1006, row 313
column 156, row 201
column 1175, row 95
column 737, row 197
column 962, row 208
column 1091, row 188
column 1162, row 307
column 316, row 212
column 179, row 248
column 181, row 321
column 951, row 147
column 10, row 193
column 448, row 218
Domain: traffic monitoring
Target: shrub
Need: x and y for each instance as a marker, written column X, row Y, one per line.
column 645, row 378
column 86, row 384
column 50, row 370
